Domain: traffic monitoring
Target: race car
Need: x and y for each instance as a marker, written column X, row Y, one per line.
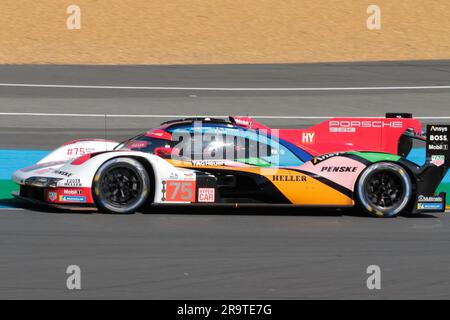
column 340, row 163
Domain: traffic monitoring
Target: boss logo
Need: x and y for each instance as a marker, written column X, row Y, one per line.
column 437, row 137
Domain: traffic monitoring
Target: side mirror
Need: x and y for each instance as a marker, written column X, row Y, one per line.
column 166, row 153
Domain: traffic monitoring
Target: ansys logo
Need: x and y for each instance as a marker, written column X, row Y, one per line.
column 324, row 157
column 439, row 129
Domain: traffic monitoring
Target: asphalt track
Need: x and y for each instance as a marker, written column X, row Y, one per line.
column 195, row 253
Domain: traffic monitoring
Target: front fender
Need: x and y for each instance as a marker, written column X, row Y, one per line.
column 82, row 174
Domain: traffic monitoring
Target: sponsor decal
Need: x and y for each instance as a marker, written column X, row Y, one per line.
column 351, row 126
column 208, row 163
column 430, row 199
column 438, row 138
column 438, row 147
column 68, row 195
column 324, row 157
column 75, row 183
column 62, row 173
column 430, row 203
column 308, row 137
column 206, row 195
column 52, row 196
column 179, row 191
column 288, row 178
column 439, row 129
column 430, row 206
column 72, row 191
column 138, row 145
column 438, row 160
column 72, row 199
column 339, row 169
column 173, row 176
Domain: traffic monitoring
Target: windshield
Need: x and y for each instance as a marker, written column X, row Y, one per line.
column 144, row 143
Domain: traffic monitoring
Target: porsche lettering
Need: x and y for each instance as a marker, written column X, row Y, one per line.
column 366, row 124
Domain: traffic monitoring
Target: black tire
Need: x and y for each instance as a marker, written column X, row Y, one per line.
column 384, row 190
column 121, row 186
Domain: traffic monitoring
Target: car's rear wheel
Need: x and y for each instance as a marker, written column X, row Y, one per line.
column 384, row 189
column 121, row 186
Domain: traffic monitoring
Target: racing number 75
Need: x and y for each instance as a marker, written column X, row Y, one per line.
column 181, row 191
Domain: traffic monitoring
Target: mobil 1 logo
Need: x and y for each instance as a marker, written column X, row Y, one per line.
column 438, row 142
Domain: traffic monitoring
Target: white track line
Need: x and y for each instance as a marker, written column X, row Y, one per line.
column 29, row 85
column 87, row 115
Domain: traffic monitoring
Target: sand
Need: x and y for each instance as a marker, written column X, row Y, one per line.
column 221, row 31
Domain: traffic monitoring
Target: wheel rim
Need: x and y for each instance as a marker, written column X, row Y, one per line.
column 121, row 186
column 385, row 190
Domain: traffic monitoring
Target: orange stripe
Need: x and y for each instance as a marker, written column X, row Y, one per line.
column 297, row 187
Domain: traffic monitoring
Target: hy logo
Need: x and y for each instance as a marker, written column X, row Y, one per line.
column 308, row 137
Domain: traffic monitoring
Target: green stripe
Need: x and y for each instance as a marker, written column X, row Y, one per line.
column 377, row 156
column 254, row 162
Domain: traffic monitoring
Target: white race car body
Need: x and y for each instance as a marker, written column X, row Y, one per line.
column 65, row 178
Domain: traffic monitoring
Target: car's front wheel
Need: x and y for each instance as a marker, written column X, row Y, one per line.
column 384, row 189
column 121, row 186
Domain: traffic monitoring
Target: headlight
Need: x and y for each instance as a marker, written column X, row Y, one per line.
column 42, row 182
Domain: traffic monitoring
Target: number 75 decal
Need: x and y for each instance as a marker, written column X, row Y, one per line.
column 180, row 191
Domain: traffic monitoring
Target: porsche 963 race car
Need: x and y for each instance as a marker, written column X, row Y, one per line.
column 341, row 163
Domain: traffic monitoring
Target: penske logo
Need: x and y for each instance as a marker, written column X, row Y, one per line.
column 339, row 169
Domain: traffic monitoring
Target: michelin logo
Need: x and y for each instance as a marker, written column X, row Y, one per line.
column 430, row 206
column 72, row 199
